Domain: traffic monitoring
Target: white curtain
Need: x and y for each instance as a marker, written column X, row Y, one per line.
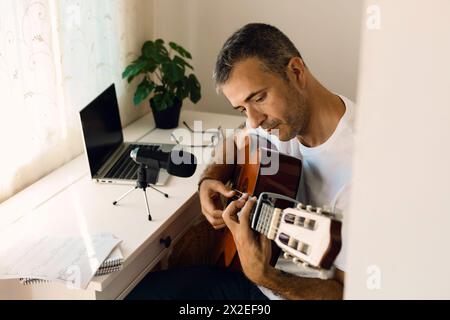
column 55, row 57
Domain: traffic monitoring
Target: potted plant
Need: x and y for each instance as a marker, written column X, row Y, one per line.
column 170, row 84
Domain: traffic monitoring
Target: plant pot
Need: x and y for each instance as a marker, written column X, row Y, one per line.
column 167, row 118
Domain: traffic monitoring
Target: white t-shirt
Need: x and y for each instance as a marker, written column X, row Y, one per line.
column 326, row 177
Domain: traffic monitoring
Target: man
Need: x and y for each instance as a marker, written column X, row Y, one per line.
column 263, row 75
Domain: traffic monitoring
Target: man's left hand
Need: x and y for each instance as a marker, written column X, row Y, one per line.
column 254, row 249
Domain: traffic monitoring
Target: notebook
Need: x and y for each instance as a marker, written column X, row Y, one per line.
column 112, row 264
column 73, row 261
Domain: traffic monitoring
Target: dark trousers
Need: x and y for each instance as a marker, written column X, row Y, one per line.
column 196, row 283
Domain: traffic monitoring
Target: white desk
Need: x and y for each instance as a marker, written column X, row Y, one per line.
column 67, row 202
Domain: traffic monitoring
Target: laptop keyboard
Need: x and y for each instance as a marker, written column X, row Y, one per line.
column 125, row 168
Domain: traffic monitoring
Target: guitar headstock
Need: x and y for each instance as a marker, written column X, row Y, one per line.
column 309, row 235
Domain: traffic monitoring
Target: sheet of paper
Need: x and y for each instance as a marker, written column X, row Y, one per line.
column 70, row 260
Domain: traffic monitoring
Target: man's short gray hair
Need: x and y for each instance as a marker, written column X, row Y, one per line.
column 255, row 40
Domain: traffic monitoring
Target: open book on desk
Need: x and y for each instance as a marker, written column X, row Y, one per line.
column 70, row 260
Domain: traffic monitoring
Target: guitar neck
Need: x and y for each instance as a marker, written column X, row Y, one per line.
column 266, row 220
column 261, row 224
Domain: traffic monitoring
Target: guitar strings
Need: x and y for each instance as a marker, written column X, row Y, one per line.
column 240, row 194
column 237, row 191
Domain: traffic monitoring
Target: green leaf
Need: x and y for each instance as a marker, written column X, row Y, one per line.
column 169, row 99
column 172, row 72
column 181, row 62
column 156, row 102
column 184, row 53
column 160, row 89
column 163, row 100
column 182, row 89
column 155, row 52
column 148, row 48
column 143, row 91
column 150, row 67
column 134, row 69
column 161, row 49
column 194, row 89
column 159, row 102
column 181, row 93
column 159, row 42
column 130, row 78
column 128, row 71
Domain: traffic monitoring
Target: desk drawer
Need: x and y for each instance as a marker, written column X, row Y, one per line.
column 153, row 253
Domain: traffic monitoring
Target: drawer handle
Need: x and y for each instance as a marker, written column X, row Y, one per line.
column 166, row 241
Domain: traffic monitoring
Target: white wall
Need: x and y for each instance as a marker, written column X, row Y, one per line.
column 326, row 32
column 399, row 222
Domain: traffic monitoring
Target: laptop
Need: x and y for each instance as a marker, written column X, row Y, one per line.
column 108, row 155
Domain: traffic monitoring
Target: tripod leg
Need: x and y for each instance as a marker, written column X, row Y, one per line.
column 165, row 194
column 148, row 209
column 127, row 193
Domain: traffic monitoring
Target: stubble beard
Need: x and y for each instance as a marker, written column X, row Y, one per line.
column 297, row 120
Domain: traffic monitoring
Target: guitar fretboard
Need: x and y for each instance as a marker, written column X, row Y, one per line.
column 264, row 220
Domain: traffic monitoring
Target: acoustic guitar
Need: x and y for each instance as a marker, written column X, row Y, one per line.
column 308, row 235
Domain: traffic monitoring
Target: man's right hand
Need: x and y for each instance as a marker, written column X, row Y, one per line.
column 212, row 209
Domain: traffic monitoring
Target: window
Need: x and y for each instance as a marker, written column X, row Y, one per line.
column 55, row 57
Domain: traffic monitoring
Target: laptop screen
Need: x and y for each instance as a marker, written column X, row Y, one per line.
column 102, row 129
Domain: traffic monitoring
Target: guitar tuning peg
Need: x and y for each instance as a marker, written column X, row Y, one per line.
column 287, row 255
column 299, row 206
column 306, row 223
column 327, row 274
column 297, row 261
column 323, row 275
column 310, row 208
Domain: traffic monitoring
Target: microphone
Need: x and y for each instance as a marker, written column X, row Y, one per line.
column 178, row 163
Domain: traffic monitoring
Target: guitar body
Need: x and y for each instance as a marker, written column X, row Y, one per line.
column 249, row 178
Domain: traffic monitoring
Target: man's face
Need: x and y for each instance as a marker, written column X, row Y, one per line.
column 267, row 99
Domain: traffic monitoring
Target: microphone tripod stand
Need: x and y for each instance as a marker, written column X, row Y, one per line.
column 142, row 182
